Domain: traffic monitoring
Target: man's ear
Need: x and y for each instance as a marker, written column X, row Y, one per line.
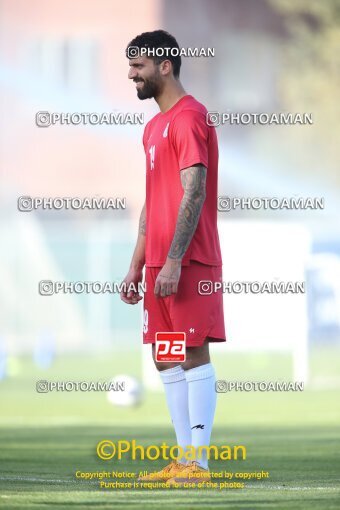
column 165, row 67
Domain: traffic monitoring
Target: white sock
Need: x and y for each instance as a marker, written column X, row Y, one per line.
column 176, row 391
column 202, row 404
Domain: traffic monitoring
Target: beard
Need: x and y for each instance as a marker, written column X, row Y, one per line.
column 150, row 88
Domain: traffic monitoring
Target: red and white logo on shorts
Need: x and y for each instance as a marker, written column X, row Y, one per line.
column 170, row 347
column 146, row 321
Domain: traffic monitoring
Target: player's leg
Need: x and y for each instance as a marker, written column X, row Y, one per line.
column 156, row 318
column 176, row 392
column 200, row 377
column 200, row 316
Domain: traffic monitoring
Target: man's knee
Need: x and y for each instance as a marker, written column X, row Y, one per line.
column 196, row 356
column 164, row 365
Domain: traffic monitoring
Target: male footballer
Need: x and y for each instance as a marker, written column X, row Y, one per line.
column 179, row 246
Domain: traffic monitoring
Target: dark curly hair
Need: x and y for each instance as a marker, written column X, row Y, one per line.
column 158, row 39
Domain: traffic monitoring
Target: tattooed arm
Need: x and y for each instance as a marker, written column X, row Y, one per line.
column 135, row 274
column 142, row 223
column 194, row 182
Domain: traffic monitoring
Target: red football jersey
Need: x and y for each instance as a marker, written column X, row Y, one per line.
column 174, row 140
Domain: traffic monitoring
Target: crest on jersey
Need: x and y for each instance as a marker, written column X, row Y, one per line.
column 165, row 132
column 152, row 151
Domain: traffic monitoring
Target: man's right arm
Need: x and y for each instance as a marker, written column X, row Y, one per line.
column 135, row 274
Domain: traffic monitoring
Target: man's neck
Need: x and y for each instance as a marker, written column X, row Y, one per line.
column 169, row 96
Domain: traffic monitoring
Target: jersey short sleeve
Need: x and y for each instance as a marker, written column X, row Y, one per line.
column 190, row 135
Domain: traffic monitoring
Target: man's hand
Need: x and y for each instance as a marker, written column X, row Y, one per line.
column 135, row 274
column 133, row 278
column 168, row 278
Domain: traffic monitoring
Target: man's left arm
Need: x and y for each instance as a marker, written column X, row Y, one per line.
column 193, row 180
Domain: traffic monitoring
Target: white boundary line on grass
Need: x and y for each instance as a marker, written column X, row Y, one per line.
column 31, row 479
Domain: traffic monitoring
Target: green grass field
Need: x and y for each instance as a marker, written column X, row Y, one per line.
column 46, row 438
